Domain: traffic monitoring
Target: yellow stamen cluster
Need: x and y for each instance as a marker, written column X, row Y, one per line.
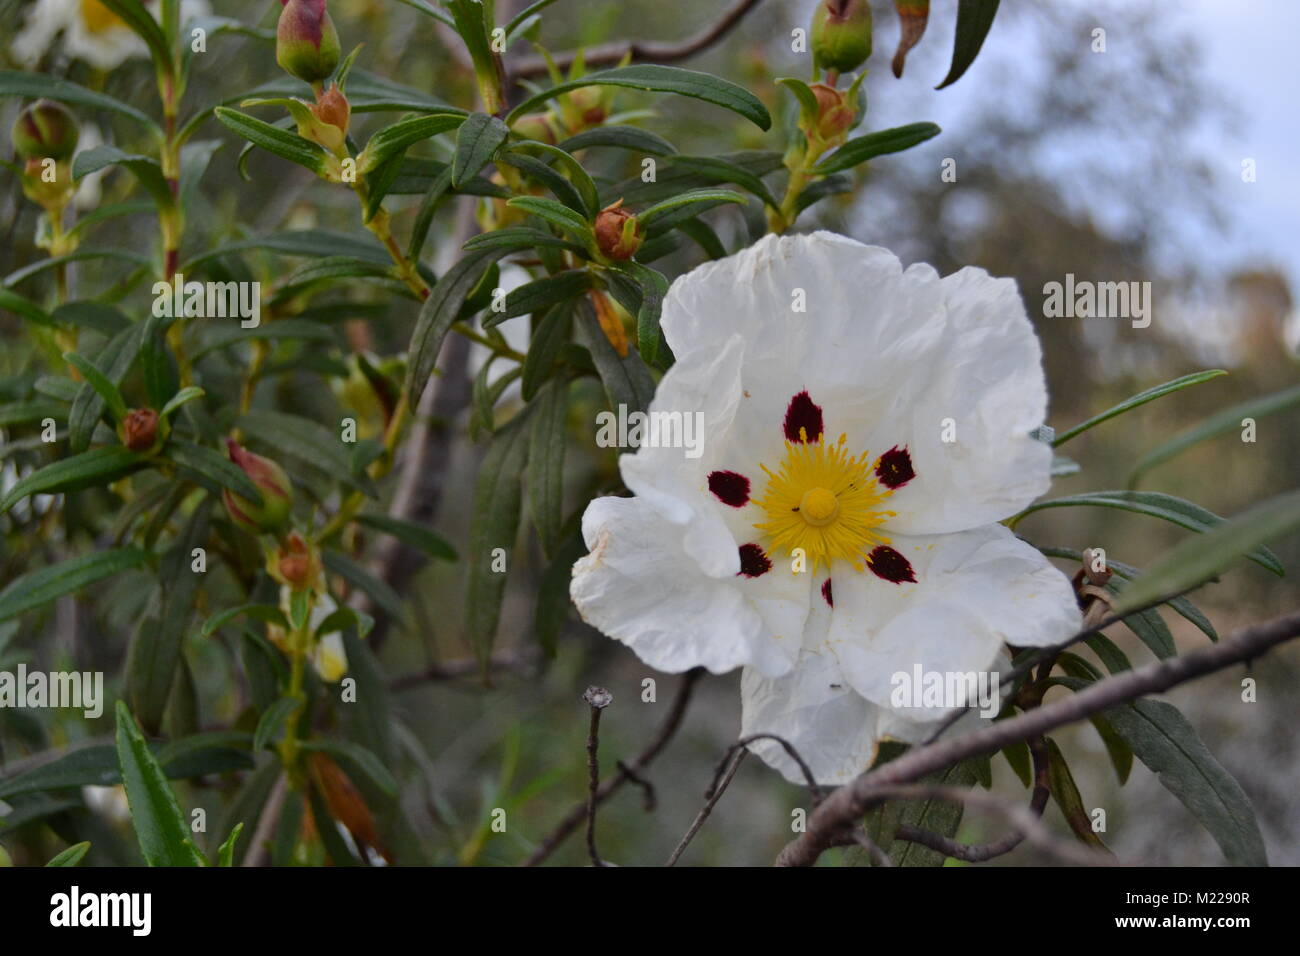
column 824, row 502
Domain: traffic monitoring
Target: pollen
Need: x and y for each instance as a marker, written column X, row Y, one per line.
column 825, row 502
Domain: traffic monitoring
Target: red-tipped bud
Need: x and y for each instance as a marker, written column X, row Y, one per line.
column 618, row 233
column 835, row 116
column 277, row 492
column 333, row 108
column 297, row 564
column 140, row 429
column 306, row 43
column 841, row 34
column 45, row 130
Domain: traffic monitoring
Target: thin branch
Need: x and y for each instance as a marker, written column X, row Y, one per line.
column 267, row 822
column 715, row 794
column 647, row 788
column 814, row 789
column 878, row 856
column 609, row 54
column 598, row 699
column 574, row 818
column 845, row 805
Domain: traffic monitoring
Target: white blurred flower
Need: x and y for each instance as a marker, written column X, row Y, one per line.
column 88, row 30
column 327, row 656
column 883, row 432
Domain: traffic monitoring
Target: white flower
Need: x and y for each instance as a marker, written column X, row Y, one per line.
column 328, row 655
column 90, row 31
column 883, row 430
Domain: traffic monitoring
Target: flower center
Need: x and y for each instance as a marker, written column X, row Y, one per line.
column 819, row 507
column 98, row 18
column 825, row 502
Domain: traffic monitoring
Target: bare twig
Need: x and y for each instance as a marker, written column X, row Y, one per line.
column 647, row 788
column 878, row 856
column 598, row 699
column 813, row 789
column 715, row 794
column 573, row 819
column 844, row 806
column 609, row 54
column 267, row 822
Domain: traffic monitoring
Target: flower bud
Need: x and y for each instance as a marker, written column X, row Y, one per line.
column 835, row 116
column 841, row 34
column 333, row 108
column 306, row 43
column 277, row 492
column 584, row 107
column 618, row 233
column 45, row 129
column 297, row 565
column 140, row 429
column 537, row 126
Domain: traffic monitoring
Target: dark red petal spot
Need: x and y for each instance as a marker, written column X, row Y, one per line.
column 826, row 593
column 753, row 562
column 887, row 563
column 803, row 414
column 729, row 487
column 895, row 468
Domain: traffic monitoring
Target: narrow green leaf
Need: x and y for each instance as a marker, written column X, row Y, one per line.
column 546, row 462
column 974, row 18
column 936, row 816
column 71, row 856
column 359, row 577
column 99, row 466
column 100, row 383
column 516, row 238
column 715, row 169
column 1228, row 420
column 540, row 294
column 553, row 601
column 160, row 827
column 359, row 759
column 1065, row 793
column 478, row 139
column 307, row 441
column 1196, row 560
column 410, row 533
column 862, row 148
column 36, row 85
column 43, row 585
column 144, row 168
column 655, row 78
column 282, row 143
column 272, row 719
column 557, row 214
column 1141, row 398
column 495, row 525
column 391, row 142
column 627, row 379
column 549, row 334
column 262, row 612
column 620, row 137
column 187, row 394
column 226, row 852
column 115, row 361
column 689, row 204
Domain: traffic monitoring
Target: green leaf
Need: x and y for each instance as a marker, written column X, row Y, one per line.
column 359, row 759
column 143, row 25
column 578, row 176
column 359, row 577
column 155, row 650
column 24, row 307
column 440, row 311
column 1119, row 752
column 159, row 825
column 1154, row 504
column 1141, row 398
column 540, row 294
column 428, row 208
column 553, row 602
column 226, row 852
column 71, row 856
column 271, row 720
column 974, row 18
column 187, row 394
column 715, row 169
column 285, row 329
column 145, row 169
column 653, row 287
column 391, row 142
column 561, row 188
column 525, row 14
column 307, row 441
column 343, row 618
column 557, row 214
column 115, row 361
column 806, row 98
column 1228, row 420
column 1162, row 739
column 936, row 816
column 1110, row 655
column 100, row 383
column 1066, row 795
column 661, row 79
column 862, row 148
column 620, row 137
column 687, row 205
column 410, row 533
column 43, row 585
column 546, row 462
column 478, row 139
column 549, row 335
column 211, row 470
column 37, row 85
column 262, row 612
column 429, row 10
column 627, row 379
column 99, row 466
column 1017, row 755
column 1195, row 561
column 282, row 143
column 497, row 494
column 308, row 243
column 516, row 238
